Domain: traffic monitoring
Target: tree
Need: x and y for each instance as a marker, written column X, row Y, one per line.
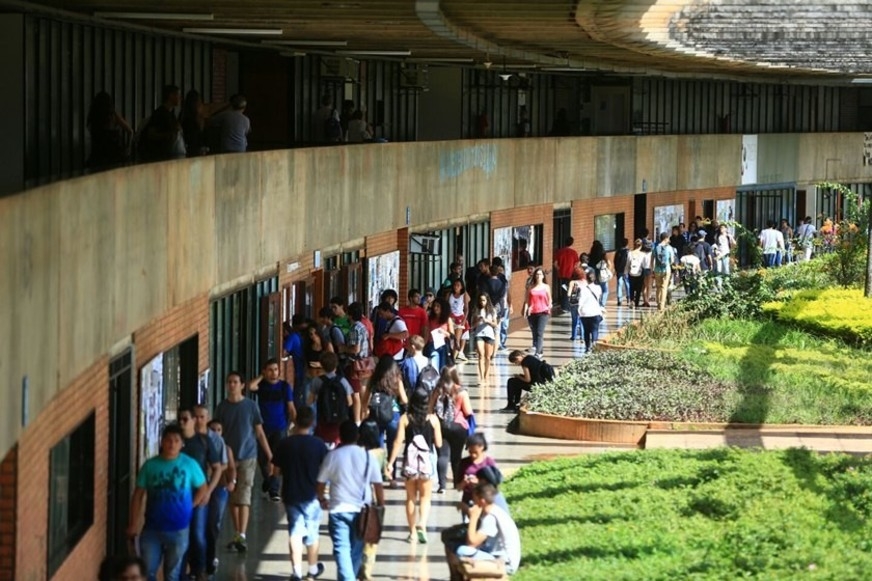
column 849, row 239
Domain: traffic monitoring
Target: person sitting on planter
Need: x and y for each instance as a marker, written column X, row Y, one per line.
column 492, row 534
column 530, row 365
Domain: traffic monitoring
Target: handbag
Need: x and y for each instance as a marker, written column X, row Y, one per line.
column 369, row 519
column 471, row 424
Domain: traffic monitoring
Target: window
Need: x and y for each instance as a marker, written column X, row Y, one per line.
column 609, row 229
column 526, row 246
column 71, row 493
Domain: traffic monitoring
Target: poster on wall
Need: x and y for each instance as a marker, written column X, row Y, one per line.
column 503, row 248
column 665, row 217
column 203, row 388
column 749, row 159
column 384, row 273
column 151, row 406
column 867, row 148
column 724, row 212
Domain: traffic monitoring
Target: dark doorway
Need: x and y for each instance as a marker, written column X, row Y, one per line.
column 120, row 446
column 640, row 215
column 189, row 358
column 708, row 209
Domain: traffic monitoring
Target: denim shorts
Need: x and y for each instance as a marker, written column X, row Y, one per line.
column 304, row 519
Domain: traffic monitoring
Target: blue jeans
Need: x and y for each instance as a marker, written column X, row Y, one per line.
column 769, row 260
column 573, row 311
column 605, row 288
column 538, row 323
column 591, row 330
column 169, row 546
column 217, row 506
column 391, row 432
column 622, row 285
column 504, row 328
column 347, row 546
column 196, row 556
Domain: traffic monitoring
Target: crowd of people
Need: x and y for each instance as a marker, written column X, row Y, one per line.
column 180, row 128
column 369, row 401
column 197, row 129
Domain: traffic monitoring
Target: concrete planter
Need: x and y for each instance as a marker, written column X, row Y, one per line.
column 583, row 429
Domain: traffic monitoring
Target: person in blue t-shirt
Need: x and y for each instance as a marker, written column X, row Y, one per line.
column 275, row 397
column 298, row 457
column 292, row 346
column 170, row 485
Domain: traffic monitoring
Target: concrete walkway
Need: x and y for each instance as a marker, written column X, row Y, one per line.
column 398, row 559
column 267, row 558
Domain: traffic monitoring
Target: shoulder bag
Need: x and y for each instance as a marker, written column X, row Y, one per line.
column 369, row 520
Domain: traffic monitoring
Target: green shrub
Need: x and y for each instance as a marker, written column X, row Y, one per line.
column 633, row 385
column 771, row 371
column 842, row 313
column 701, row 514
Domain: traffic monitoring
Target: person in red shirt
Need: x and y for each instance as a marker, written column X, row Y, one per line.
column 565, row 260
column 415, row 315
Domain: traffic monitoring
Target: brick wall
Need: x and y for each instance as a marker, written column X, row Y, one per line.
column 189, row 318
column 8, row 481
column 87, row 393
column 541, row 214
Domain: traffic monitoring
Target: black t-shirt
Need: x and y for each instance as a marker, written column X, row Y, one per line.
column 532, row 363
column 299, row 458
column 159, row 136
column 702, row 249
column 621, row 256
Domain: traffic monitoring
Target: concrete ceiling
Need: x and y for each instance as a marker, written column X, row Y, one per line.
column 782, row 40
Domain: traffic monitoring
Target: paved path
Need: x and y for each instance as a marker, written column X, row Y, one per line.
column 398, row 559
column 401, row 560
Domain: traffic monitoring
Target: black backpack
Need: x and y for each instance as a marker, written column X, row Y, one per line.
column 381, row 408
column 546, row 372
column 332, row 401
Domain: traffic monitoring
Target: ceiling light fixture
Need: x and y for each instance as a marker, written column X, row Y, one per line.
column 505, row 76
column 487, row 62
column 307, row 42
column 375, row 52
column 154, row 16
column 862, row 81
column 292, row 54
column 236, row 31
column 439, row 60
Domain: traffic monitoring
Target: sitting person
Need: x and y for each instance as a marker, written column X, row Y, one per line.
column 492, row 534
column 523, row 381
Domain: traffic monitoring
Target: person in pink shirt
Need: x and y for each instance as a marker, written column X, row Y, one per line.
column 537, row 308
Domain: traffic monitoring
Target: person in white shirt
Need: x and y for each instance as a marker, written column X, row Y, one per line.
column 352, row 477
column 637, row 263
column 724, row 243
column 690, row 269
column 590, row 310
column 359, row 130
column 772, row 242
column 491, row 534
column 805, row 235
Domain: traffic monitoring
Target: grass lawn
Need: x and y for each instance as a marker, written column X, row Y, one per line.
column 785, row 375
column 706, row 514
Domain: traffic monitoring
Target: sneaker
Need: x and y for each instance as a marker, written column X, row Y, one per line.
column 274, row 497
column 240, row 543
column 317, row 574
column 461, row 357
column 441, row 490
column 422, row 536
column 294, row 578
column 509, row 409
